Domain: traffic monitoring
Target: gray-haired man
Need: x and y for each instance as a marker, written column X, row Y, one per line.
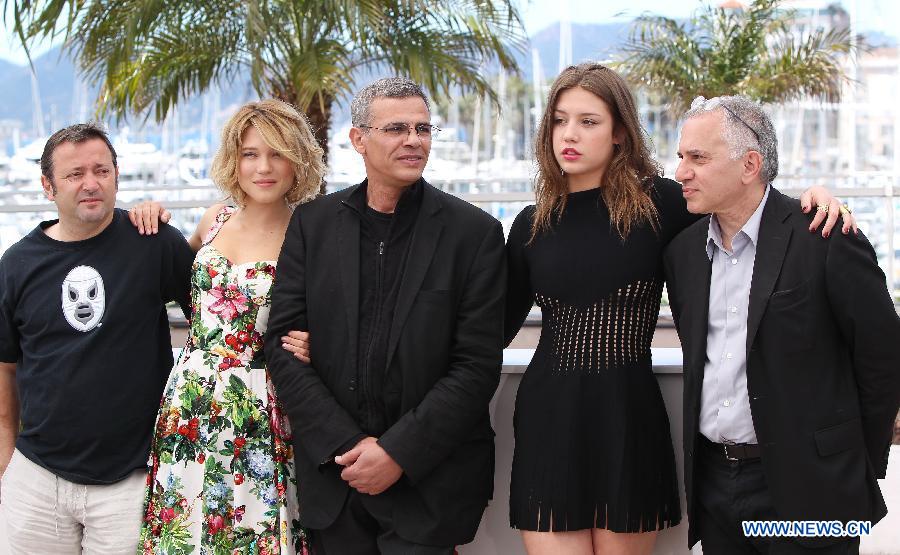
column 792, row 373
column 401, row 288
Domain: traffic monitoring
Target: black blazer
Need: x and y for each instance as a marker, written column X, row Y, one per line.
column 823, row 364
column 445, row 344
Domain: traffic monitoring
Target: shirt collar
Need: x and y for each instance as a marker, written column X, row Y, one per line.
column 750, row 229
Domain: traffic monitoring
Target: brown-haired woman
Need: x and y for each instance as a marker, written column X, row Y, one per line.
column 593, row 469
column 221, row 475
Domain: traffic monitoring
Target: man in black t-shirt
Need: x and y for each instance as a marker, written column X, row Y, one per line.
column 84, row 354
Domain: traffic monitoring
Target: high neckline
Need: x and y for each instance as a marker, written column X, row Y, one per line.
column 587, row 193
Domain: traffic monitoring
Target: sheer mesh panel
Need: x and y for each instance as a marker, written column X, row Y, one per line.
column 612, row 333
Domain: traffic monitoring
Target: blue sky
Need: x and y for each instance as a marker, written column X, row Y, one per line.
column 877, row 15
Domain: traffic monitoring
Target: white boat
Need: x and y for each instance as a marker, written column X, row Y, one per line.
column 24, row 165
column 140, row 163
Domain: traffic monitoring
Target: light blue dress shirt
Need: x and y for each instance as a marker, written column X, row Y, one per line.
column 724, row 401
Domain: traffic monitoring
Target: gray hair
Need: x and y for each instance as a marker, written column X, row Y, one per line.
column 389, row 87
column 746, row 127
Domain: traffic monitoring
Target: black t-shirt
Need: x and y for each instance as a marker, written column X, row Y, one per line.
column 85, row 322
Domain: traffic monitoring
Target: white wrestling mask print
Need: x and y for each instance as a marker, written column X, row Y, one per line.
column 83, row 298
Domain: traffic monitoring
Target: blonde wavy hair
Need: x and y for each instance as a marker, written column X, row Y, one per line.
column 285, row 130
column 627, row 180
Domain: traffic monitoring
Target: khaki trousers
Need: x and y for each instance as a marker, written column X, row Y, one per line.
column 46, row 514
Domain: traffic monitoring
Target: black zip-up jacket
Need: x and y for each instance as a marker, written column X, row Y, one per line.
column 444, row 354
column 384, row 245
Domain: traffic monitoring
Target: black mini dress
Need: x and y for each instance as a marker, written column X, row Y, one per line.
column 592, row 441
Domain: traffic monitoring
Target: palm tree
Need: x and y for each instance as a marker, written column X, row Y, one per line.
column 149, row 55
column 726, row 51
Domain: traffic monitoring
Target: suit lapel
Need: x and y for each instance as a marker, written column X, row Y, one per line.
column 771, row 247
column 426, row 233
column 348, row 254
column 699, row 326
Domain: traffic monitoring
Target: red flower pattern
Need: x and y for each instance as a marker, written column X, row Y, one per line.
column 214, row 523
column 213, row 393
column 167, row 514
column 229, row 301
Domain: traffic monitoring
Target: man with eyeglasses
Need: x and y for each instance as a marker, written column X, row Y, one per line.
column 791, row 365
column 85, row 351
column 401, row 288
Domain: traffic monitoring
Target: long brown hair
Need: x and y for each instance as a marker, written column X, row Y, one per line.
column 625, row 188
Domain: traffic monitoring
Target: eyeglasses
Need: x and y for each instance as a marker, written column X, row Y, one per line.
column 425, row 131
column 76, row 178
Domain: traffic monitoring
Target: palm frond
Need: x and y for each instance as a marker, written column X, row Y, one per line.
column 812, row 67
column 754, row 52
column 661, row 54
column 150, row 55
column 167, row 72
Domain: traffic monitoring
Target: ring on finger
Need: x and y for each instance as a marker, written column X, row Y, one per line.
column 823, row 208
column 845, row 209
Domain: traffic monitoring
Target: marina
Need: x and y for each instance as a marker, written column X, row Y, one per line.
column 484, row 152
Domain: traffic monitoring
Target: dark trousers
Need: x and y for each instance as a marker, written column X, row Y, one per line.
column 358, row 532
column 729, row 492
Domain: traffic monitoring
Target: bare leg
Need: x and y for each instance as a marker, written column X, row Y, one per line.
column 609, row 543
column 577, row 542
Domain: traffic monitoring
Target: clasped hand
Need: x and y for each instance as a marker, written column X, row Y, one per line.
column 368, row 468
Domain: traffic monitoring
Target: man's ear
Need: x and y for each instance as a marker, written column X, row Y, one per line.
column 752, row 165
column 49, row 188
column 356, row 139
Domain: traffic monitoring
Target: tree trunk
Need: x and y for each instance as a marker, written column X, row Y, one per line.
column 320, row 120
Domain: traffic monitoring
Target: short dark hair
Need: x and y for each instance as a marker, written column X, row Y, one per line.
column 77, row 133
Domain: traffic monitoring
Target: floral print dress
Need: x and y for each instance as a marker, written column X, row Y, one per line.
column 221, row 478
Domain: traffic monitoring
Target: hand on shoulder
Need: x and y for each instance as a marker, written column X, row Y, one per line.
column 147, row 215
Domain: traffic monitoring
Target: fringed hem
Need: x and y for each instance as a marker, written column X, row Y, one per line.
column 615, row 521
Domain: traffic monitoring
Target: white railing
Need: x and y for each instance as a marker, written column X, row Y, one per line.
column 871, row 195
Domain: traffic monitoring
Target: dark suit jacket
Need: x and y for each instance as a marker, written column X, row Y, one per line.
column 445, row 345
column 823, row 363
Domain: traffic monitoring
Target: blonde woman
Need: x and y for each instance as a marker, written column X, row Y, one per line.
column 221, row 476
